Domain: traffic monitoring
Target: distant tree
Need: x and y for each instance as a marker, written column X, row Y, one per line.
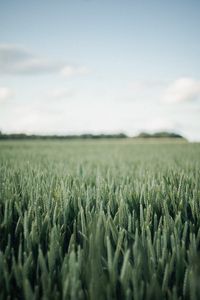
column 143, row 135
column 161, row 134
column 22, row 136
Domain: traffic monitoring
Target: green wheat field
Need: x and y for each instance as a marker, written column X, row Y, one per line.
column 100, row 219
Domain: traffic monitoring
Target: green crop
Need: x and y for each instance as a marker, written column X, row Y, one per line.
column 99, row 220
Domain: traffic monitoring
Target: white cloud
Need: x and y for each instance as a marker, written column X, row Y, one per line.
column 60, row 93
column 182, row 90
column 159, row 124
column 15, row 60
column 69, row 71
column 5, row 93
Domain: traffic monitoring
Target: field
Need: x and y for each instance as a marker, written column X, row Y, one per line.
column 99, row 220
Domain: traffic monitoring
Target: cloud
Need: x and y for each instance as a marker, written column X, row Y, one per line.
column 60, row 93
column 182, row 90
column 5, row 93
column 15, row 60
column 160, row 124
column 69, row 71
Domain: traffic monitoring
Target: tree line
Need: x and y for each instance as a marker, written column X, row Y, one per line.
column 144, row 135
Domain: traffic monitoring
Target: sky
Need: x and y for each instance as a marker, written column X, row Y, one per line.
column 100, row 66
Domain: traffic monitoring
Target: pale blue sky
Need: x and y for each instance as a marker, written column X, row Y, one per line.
column 78, row 66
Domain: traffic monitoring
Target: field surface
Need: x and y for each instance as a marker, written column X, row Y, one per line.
column 99, row 220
